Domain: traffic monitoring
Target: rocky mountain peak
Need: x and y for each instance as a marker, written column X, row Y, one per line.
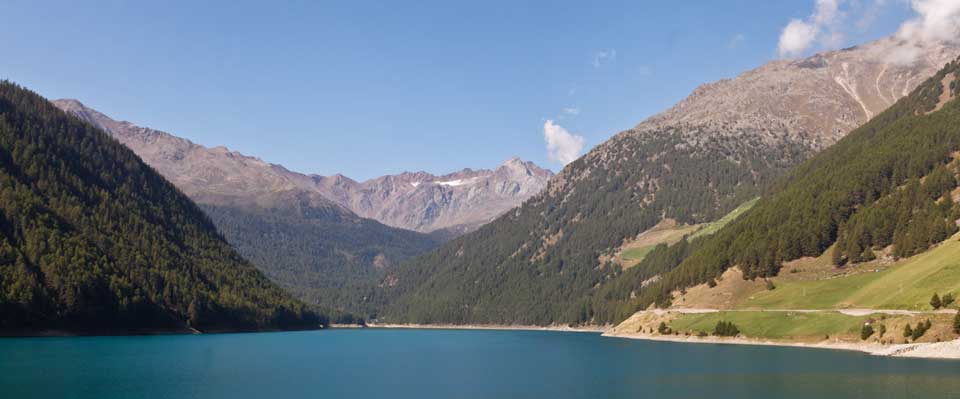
column 814, row 100
column 518, row 166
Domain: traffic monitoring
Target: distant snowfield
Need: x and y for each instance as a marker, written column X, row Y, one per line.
column 449, row 183
column 452, row 183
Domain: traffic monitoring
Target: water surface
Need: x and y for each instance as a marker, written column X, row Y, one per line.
column 449, row 364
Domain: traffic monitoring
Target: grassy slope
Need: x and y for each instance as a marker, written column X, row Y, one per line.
column 711, row 228
column 637, row 254
column 671, row 235
column 815, row 327
column 667, row 236
column 774, row 325
column 908, row 284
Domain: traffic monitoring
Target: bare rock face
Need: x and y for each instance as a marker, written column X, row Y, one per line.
column 457, row 202
column 814, row 101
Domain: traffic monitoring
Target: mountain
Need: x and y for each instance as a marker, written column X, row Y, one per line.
column 859, row 240
column 864, row 196
column 555, row 258
column 813, row 101
column 208, row 175
column 95, row 241
column 458, row 202
column 276, row 218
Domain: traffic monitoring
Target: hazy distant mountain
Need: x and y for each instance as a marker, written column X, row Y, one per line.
column 458, row 202
column 551, row 260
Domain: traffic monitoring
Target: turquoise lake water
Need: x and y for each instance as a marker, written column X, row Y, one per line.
column 449, row 364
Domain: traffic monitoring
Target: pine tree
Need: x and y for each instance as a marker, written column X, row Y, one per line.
column 725, row 329
column 866, row 332
column 935, row 302
column 663, row 329
column 947, row 300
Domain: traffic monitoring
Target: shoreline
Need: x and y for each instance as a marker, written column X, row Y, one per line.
column 947, row 350
column 500, row 327
column 140, row 333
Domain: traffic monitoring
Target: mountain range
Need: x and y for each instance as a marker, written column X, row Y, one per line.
column 458, row 202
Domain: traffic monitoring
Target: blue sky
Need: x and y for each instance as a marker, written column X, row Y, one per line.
column 371, row 88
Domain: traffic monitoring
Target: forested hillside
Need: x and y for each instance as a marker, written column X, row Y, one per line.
column 550, row 260
column 319, row 253
column 92, row 240
column 505, row 273
column 887, row 184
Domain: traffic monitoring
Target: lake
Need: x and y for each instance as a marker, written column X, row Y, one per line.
column 380, row 363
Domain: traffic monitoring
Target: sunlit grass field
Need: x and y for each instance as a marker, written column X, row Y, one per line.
column 908, row 284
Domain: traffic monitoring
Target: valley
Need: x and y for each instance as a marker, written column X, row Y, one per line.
column 745, row 199
column 329, row 240
column 585, row 247
column 316, row 236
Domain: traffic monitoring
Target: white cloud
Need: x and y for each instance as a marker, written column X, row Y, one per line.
column 603, row 57
column 572, row 111
column 562, row 146
column 796, row 38
column 936, row 21
column 822, row 28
